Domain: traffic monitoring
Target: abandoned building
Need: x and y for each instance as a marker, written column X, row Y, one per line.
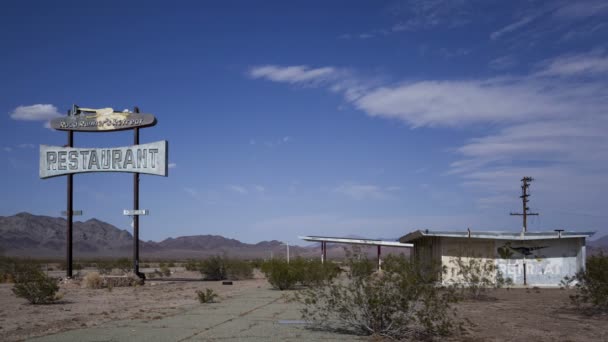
column 527, row 258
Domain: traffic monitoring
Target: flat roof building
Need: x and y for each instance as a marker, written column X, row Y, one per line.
column 528, row 258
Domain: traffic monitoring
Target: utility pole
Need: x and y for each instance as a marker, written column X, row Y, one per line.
column 524, row 201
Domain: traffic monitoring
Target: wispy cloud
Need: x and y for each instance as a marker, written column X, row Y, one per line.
column 293, row 74
column 365, row 191
column 37, row 112
column 238, row 189
column 7, row 149
column 549, row 124
column 591, row 64
column 512, row 27
column 581, row 9
column 172, row 165
column 26, row 146
column 192, row 192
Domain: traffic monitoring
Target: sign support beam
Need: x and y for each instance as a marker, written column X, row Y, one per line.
column 70, row 214
column 136, row 207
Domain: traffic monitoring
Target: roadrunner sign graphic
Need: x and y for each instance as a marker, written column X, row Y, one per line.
column 101, row 120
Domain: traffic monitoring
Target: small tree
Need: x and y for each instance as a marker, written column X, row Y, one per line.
column 591, row 284
column 35, row 286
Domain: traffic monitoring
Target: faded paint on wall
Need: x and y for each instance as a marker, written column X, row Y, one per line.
column 547, row 261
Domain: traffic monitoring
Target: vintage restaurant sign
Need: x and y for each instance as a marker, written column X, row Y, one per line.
column 146, row 158
column 102, row 120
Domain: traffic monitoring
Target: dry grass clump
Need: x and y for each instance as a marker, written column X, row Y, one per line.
column 92, row 280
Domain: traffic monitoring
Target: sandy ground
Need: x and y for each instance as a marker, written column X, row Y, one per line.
column 249, row 310
column 93, row 307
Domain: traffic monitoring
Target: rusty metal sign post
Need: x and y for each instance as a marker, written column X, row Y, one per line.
column 151, row 158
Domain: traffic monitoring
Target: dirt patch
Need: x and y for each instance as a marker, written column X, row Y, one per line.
column 512, row 315
column 81, row 307
column 531, row 314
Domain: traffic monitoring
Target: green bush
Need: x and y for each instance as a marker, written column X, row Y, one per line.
column 591, row 284
column 280, row 274
column 104, row 266
column 192, row 265
column 165, row 271
column 222, row 268
column 206, row 297
column 35, row 286
column 123, row 264
column 402, row 302
column 214, row 268
column 314, row 272
column 475, row 276
column 8, row 267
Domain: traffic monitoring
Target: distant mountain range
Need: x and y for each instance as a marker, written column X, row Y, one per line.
column 37, row 236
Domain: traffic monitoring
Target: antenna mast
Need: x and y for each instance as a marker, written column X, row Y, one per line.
column 524, row 200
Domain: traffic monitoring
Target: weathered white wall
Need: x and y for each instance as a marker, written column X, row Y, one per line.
column 454, row 248
column 546, row 266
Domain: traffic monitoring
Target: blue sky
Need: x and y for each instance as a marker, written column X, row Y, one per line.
column 329, row 118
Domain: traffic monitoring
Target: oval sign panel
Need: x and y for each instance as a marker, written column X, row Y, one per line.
column 103, row 120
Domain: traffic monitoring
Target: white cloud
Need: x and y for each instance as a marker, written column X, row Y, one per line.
column 172, row 165
column 238, row 189
column 365, row 191
column 260, row 189
column 503, row 62
column 26, row 146
column 548, row 127
column 592, row 64
column 512, row 27
column 292, row 74
column 456, row 103
column 581, row 9
column 192, row 192
column 7, row 149
column 37, row 112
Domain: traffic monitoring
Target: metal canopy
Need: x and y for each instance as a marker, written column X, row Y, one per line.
column 369, row 242
column 496, row 235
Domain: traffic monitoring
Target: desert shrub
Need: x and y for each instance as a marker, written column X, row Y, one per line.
column 92, row 280
column 214, row 268
column 104, row 266
column 401, row 302
column 314, row 272
column 239, row 269
column 280, row 274
column 76, row 266
column 221, row 268
column 35, row 286
column 256, row 263
column 164, row 269
column 361, row 267
column 208, row 296
column 475, row 276
column 591, row 284
column 170, row 264
column 8, row 268
column 123, row 264
column 192, row 265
